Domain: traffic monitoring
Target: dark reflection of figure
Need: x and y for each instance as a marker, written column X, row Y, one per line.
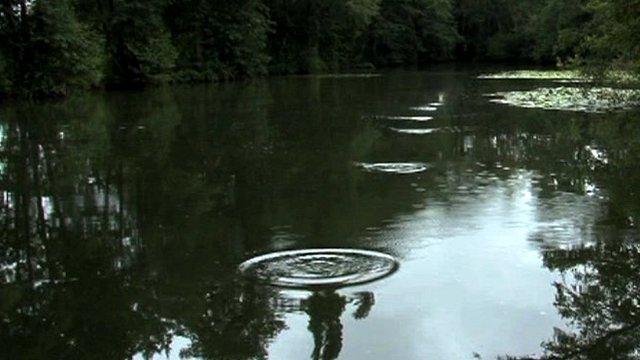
column 324, row 309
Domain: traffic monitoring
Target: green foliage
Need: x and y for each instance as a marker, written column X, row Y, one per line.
column 8, row 48
column 410, row 32
column 293, row 40
column 614, row 39
column 496, row 29
column 46, row 49
column 340, row 29
column 5, row 79
column 216, row 41
column 140, row 47
column 63, row 53
column 314, row 35
column 247, row 34
column 477, row 22
column 560, row 28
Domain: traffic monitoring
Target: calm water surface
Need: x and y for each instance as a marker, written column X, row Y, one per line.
column 124, row 216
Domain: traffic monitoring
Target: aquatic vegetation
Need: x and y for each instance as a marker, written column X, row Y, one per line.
column 319, row 267
column 564, row 76
column 394, row 168
column 585, row 99
column 536, row 75
column 623, row 76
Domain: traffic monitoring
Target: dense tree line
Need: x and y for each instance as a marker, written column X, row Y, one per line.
column 49, row 47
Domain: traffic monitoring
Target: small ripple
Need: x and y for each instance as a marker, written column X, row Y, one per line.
column 406, row 118
column 394, row 168
column 416, row 131
column 424, row 108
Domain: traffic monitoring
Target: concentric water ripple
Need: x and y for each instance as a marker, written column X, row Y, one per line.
column 394, row 168
column 424, row 131
column 319, row 267
column 424, row 108
column 408, row 118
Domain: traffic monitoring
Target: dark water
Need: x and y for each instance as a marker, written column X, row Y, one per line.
column 124, row 217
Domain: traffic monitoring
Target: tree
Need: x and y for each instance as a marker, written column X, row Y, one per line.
column 496, row 29
column 219, row 40
column 63, row 53
column 413, row 32
column 139, row 46
column 314, row 36
column 45, row 49
column 614, row 39
column 5, row 74
column 560, row 29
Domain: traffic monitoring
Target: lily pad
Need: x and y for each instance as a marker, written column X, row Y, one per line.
column 535, row 75
column 583, row 99
column 564, row 76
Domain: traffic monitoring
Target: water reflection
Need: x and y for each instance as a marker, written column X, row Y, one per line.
column 324, row 310
column 124, row 216
column 598, row 295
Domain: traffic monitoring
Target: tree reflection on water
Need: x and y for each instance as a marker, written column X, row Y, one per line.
column 84, row 271
column 599, row 295
column 599, row 291
column 123, row 218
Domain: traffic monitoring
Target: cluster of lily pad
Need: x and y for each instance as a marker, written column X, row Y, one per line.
column 566, row 75
column 586, row 99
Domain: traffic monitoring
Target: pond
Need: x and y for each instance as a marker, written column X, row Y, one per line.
column 125, row 216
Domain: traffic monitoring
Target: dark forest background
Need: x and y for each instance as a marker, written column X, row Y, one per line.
column 51, row 47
